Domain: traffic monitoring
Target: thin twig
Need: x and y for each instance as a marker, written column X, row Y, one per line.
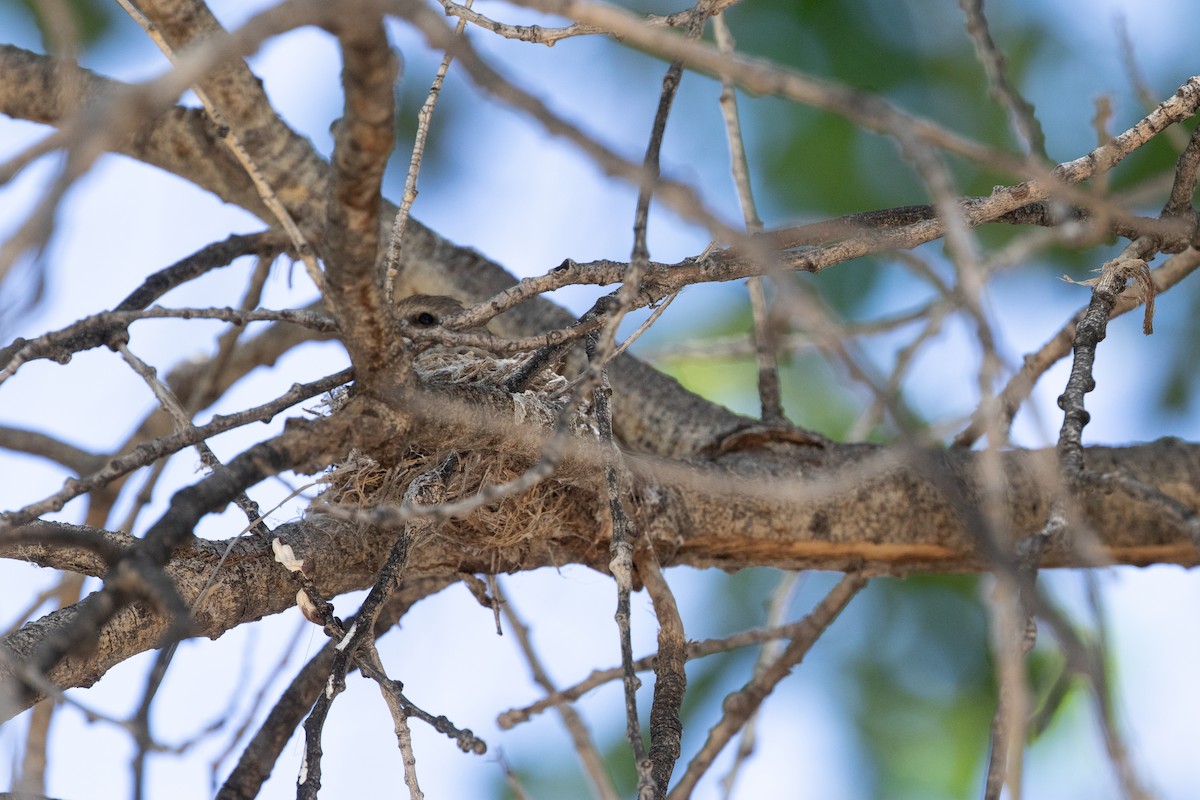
column 867, row 111
column 621, row 567
column 701, row 649
column 585, row 747
column 183, row 422
column 399, row 710
column 414, row 165
column 260, row 754
column 1020, row 111
column 766, row 344
column 255, row 705
column 32, row 778
column 199, row 390
column 739, row 705
column 1035, row 364
column 356, row 644
column 741, row 345
column 1007, row 613
column 777, row 607
column 645, row 326
column 1089, row 333
column 640, row 257
column 171, row 404
column 1137, row 79
column 537, row 34
column 673, row 193
column 231, row 139
column 1012, row 638
column 107, row 328
column 427, row 488
column 1183, row 188
column 149, row 452
column 1114, row 743
column 34, row 443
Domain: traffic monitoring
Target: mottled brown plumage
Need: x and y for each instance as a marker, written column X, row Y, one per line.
column 427, row 310
column 459, row 363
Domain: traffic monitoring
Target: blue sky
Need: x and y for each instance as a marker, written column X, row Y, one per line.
column 122, row 221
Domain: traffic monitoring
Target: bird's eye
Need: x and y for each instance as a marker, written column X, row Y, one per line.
column 425, row 319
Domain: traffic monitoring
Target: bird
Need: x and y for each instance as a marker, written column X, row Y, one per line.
column 438, row 361
column 428, row 310
column 462, row 362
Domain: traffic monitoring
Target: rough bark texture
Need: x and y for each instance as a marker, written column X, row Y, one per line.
column 706, row 487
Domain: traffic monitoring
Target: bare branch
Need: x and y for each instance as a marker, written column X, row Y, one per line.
column 536, row 34
column 670, row 679
column 460, row 450
column 589, row 755
column 739, row 705
column 1020, row 111
column 362, row 142
column 150, row 451
column 414, row 167
column 233, row 141
column 673, row 193
column 1034, row 365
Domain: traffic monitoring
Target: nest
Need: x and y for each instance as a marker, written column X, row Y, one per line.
column 362, row 482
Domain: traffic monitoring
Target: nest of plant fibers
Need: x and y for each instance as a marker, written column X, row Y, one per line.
column 360, row 482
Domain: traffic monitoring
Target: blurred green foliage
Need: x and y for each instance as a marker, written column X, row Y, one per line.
column 921, row 693
column 836, row 168
column 813, row 396
column 820, row 165
column 87, row 21
column 914, row 671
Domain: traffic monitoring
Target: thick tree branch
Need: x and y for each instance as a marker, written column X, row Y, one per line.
column 654, row 413
column 362, row 142
column 697, row 485
column 138, row 575
column 859, row 509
